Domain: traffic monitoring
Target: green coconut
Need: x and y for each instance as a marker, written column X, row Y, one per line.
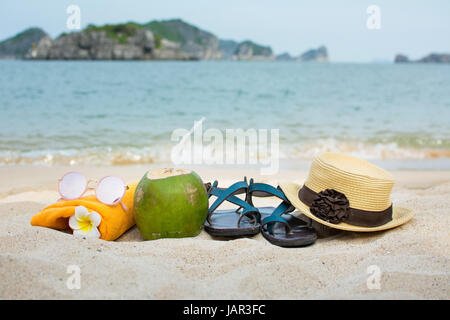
column 170, row 203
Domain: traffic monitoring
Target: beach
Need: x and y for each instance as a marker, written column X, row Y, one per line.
column 412, row 260
column 118, row 125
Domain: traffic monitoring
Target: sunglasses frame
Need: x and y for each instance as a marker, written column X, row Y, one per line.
column 119, row 200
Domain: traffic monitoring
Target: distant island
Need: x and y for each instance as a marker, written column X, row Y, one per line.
column 156, row 40
column 18, row 46
column 320, row 55
column 431, row 58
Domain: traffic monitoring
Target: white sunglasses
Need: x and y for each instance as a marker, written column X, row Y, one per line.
column 109, row 190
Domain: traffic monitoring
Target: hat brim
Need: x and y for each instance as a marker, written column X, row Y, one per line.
column 400, row 215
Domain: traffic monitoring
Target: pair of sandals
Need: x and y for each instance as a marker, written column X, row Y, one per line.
column 276, row 224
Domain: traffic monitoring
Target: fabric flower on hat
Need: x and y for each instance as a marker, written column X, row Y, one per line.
column 85, row 223
column 331, row 205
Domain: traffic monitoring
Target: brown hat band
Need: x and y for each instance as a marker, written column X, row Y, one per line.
column 355, row 217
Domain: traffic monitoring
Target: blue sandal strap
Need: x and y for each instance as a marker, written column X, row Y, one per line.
column 233, row 199
column 250, row 213
column 216, row 191
column 266, row 190
column 275, row 217
column 229, row 195
column 222, row 195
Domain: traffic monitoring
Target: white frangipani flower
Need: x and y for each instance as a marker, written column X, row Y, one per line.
column 85, row 223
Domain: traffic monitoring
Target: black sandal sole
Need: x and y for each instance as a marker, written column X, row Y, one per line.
column 301, row 234
column 241, row 232
column 228, row 218
column 289, row 243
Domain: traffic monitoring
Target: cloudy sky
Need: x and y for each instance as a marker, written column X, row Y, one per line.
column 415, row 28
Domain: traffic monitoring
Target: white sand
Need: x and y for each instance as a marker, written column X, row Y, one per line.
column 414, row 259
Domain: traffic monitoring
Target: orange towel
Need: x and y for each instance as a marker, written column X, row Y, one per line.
column 115, row 220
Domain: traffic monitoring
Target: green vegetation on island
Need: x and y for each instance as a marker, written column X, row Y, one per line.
column 172, row 39
column 119, row 32
column 257, row 49
column 164, row 29
column 18, row 45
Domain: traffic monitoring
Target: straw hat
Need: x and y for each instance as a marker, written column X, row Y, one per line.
column 347, row 193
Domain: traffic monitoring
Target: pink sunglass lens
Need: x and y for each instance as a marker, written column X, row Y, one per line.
column 72, row 185
column 110, row 190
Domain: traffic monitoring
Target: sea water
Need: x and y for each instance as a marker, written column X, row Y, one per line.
column 102, row 112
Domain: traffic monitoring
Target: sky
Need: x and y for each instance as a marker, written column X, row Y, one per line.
column 414, row 28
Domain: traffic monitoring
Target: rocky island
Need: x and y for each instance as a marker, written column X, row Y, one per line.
column 110, row 42
column 431, row 58
column 18, row 46
column 314, row 55
column 193, row 41
column 248, row 50
column 172, row 39
column 156, row 40
column 245, row 50
column 319, row 55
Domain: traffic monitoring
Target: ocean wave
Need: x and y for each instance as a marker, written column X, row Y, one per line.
column 88, row 157
column 372, row 151
column 162, row 154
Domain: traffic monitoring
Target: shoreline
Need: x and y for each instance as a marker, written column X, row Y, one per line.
column 37, row 178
